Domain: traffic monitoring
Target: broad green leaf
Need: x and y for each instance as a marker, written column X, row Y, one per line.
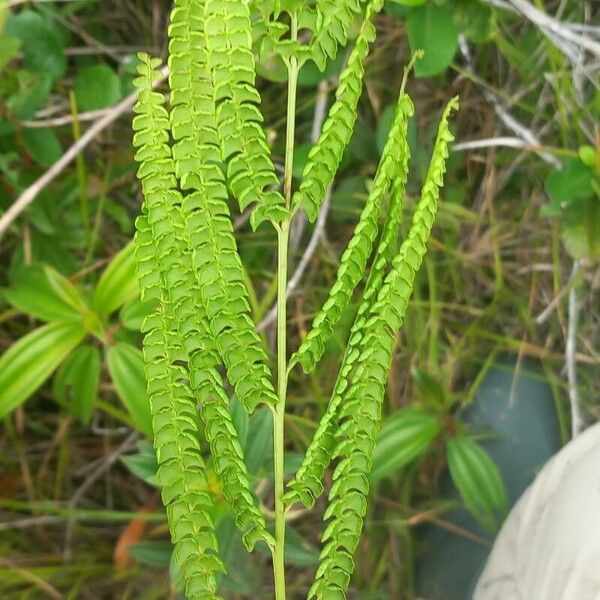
column 42, row 47
column 242, row 576
column 43, row 145
column 97, row 87
column 581, row 228
column 477, row 480
column 41, row 291
column 403, row 438
column 565, row 185
column 126, row 368
column 298, row 550
column 29, row 362
column 31, row 94
column 259, row 440
column 132, row 315
column 118, row 284
column 143, row 464
column 431, row 27
column 76, row 382
column 9, row 46
column 430, row 391
column 153, row 554
column 475, row 19
column 348, row 199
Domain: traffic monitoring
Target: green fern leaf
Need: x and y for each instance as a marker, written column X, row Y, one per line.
column 197, row 153
column 307, row 484
column 224, row 294
column 325, row 156
column 393, row 167
column 333, row 21
column 213, row 94
column 230, row 62
column 360, row 413
column 181, row 467
column 181, row 471
column 162, row 239
column 192, row 114
column 227, row 453
column 329, row 24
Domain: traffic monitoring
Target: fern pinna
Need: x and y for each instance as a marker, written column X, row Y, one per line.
column 201, row 150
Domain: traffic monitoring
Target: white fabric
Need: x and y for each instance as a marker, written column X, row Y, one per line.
column 549, row 546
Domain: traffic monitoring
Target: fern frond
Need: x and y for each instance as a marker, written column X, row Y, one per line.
column 181, row 471
column 227, row 453
column 215, row 116
column 360, row 414
column 192, row 113
column 333, row 21
column 161, row 240
column 393, row 166
column 307, row 484
column 224, row 294
column 230, row 62
column 181, row 467
column 198, row 139
column 325, row 156
column 329, row 24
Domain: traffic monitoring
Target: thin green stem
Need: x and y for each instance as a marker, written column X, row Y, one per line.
column 279, row 415
column 81, row 170
column 282, row 268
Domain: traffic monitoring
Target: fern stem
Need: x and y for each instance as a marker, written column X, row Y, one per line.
column 282, row 269
column 279, row 413
column 291, row 126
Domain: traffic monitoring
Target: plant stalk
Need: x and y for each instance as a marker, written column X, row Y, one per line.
column 279, row 415
column 282, row 272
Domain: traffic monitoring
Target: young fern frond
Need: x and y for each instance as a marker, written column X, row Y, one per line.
column 213, row 94
column 360, row 412
column 229, row 464
column 307, row 486
column 181, row 471
column 162, row 238
column 192, row 105
column 218, row 428
column 230, row 62
column 224, row 294
column 333, row 20
column 181, row 467
column 328, row 22
column 393, row 166
column 194, row 122
column 325, row 156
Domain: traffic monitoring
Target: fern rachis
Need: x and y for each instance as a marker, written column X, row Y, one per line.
column 203, row 148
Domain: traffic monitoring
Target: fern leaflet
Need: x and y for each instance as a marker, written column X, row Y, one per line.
column 161, row 235
column 307, row 484
column 325, row 156
column 354, row 258
column 360, row 412
column 181, row 467
column 230, row 62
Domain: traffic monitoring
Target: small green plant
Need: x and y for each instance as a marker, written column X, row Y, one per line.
column 206, row 146
column 79, row 322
